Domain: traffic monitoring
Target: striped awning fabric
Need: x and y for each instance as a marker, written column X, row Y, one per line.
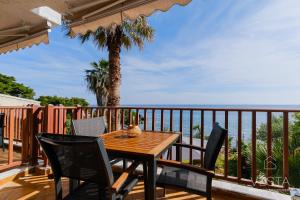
column 20, row 27
column 115, row 13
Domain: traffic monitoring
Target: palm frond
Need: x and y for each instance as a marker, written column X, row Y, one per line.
column 138, row 31
column 129, row 32
column 100, row 37
column 97, row 78
column 126, row 41
column 85, row 37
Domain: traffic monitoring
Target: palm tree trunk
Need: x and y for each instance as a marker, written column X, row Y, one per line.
column 99, row 100
column 100, row 103
column 114, row 78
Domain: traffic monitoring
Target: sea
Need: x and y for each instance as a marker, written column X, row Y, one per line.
column 261, row 118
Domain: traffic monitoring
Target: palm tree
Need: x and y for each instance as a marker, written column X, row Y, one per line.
column 113, row 38
column 97, row 80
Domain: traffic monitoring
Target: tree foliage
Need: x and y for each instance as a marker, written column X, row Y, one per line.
column 294, row 138
column 8, row 85
column 277, row 129
column 277, row 149
column 133, row 118
column 97, row 80
column 55, row 100
column 129, row 33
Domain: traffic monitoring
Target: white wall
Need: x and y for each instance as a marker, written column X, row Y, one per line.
column 7, row 100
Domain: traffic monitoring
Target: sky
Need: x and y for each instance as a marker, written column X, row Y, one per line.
column 208, row 52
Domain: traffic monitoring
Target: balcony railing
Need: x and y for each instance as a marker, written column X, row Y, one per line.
column 238, row 162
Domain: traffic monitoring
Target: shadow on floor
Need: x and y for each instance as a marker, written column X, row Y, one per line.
column 39, row 187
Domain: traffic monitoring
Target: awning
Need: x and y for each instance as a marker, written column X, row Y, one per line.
column 26, row 23
column 22, row 43
column 116, row 11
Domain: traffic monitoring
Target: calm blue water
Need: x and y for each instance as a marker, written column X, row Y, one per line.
column 220, row 116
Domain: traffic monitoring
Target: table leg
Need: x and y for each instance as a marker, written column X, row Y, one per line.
column 179, row 152
column 125, row 164
column 145, row 176
column 152, row 171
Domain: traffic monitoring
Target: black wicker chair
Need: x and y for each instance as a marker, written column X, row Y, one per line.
column 192, row 178
column 89, row 127
column 2, row 117
column 85, row 159
column 93, row 127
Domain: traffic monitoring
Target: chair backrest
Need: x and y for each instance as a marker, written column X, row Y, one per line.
column 89, row 127
column 213, row 146
column 78, row 157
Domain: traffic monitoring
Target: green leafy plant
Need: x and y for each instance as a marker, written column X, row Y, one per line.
column 55, row 100
column 9, row 86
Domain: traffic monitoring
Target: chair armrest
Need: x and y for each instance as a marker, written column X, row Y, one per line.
column 115, row 161
column 189, row 146
column 124, row 176
column 193, row 168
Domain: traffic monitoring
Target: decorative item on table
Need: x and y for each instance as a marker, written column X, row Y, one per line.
column 133, row 129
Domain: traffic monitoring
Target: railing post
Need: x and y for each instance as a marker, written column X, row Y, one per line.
column 179, row 149
column 239, row 162
column 109, row 123
column 285, row 149
column 49, row 121
column 11, row 136
column 191, row 135
column 153, row 120
column 137, row 117
column 49, row 125
column 171, row 130
column 269, row 159
column 213, row 118
column 130, row 116
column 162, row 120
column 33, row 128
column 117, row 120
column 65, row 113
column 122, row 118
column 61, row 119
column 78, row 112
column 253, row 159
column 202, row 137
column 226, row 146
column 145, row 119
column 171, row 120
column 25, row 133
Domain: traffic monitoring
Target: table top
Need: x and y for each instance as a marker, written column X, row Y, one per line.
column 149, row 143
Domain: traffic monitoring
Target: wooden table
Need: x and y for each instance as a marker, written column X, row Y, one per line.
column 147, row 147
